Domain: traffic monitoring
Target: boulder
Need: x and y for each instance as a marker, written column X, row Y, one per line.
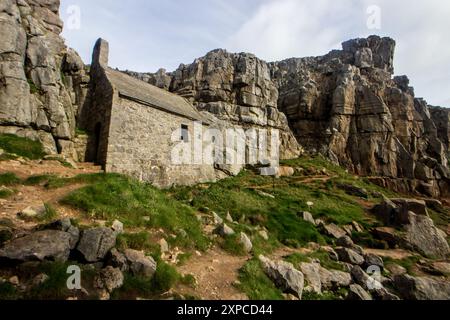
column 354, row 190
column 95, row 243
column 422, row 288
column 412, row 205
column 284, row 275
column 334, row 279
column 350, row 256
column 164, row 246
column 356, row 292
column 246, row 243
column 224, row 230
column 311, row 271
column 333, row 230
column 345, row 242
column 33, row 212
column 118, row 260
column 117, row 227
column 373, row 260
column 51, row 245
column 423, row 235
column 109, row 279
column 364, row 280
column 66, row 226
column 308, row 217
column 140, row 264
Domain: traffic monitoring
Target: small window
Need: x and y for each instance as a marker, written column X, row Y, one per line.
column 184, row 133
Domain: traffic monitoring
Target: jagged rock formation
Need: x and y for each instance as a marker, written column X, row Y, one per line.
column 42, row 82
column 235, row 88
column 347, row 106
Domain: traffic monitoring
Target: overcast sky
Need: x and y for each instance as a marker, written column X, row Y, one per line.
column 145, row 35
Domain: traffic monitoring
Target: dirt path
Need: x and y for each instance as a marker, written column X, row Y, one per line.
column 216, row 273
column 27, row 196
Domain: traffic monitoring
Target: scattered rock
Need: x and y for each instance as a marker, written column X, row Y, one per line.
column 348, row 229
column 66, row 226
column 14, row 280
column 164, row 246
column 350, row 256
column 422, row 288
column 284, row 275
column 217, row 219
column 109, row 279
column 118, row 260
column 354, row 190
column 357, row 293
column 246, row 242
column 308, row 217
column 312, row 277
column 423, row 235
column 334, row 231
column 39, row 246
column 364, row 280
column 285, row 172
column 332, row 253
column 396, row 269
column 39, row 280
column 229, row 218
column 96, row 243
column 373, row 260
column 33, row 212
column 264, row 234
column 140, row 264
column 358, row 228
column 117, row 227
column 412, row 205
column 224, row 231
column 345, row 242
column 334, row 279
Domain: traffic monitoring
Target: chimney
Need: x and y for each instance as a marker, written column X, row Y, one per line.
column 101, row 53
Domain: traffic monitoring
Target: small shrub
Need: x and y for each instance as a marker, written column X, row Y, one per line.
column 8, row 292
column 9, row 179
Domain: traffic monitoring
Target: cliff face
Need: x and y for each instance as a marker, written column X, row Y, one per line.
column 347, row 105
column 235, row 89
column 42, row 82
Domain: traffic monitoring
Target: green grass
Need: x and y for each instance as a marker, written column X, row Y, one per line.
column 33, row 87
column 9, row 179
column 407, row 263
column 8, row 292
column 323, row 256
column 119, row 197
column 325, row 296
column 6, row 193
column 55, row 288
column 165, row 278
column 255, row 284
column 138, row 241
column 279, row 215
column 23, row 147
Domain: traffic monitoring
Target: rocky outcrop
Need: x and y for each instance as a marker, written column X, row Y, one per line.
column 42, row 82
column 234, row 89
column 347, row 106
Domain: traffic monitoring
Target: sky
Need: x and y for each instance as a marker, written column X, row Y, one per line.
column 146, row 35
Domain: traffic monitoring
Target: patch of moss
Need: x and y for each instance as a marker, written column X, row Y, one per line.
column 23, row 147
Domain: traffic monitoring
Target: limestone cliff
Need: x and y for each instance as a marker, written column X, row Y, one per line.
column 348, row 105
column 42, row 82
column 235, row 89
